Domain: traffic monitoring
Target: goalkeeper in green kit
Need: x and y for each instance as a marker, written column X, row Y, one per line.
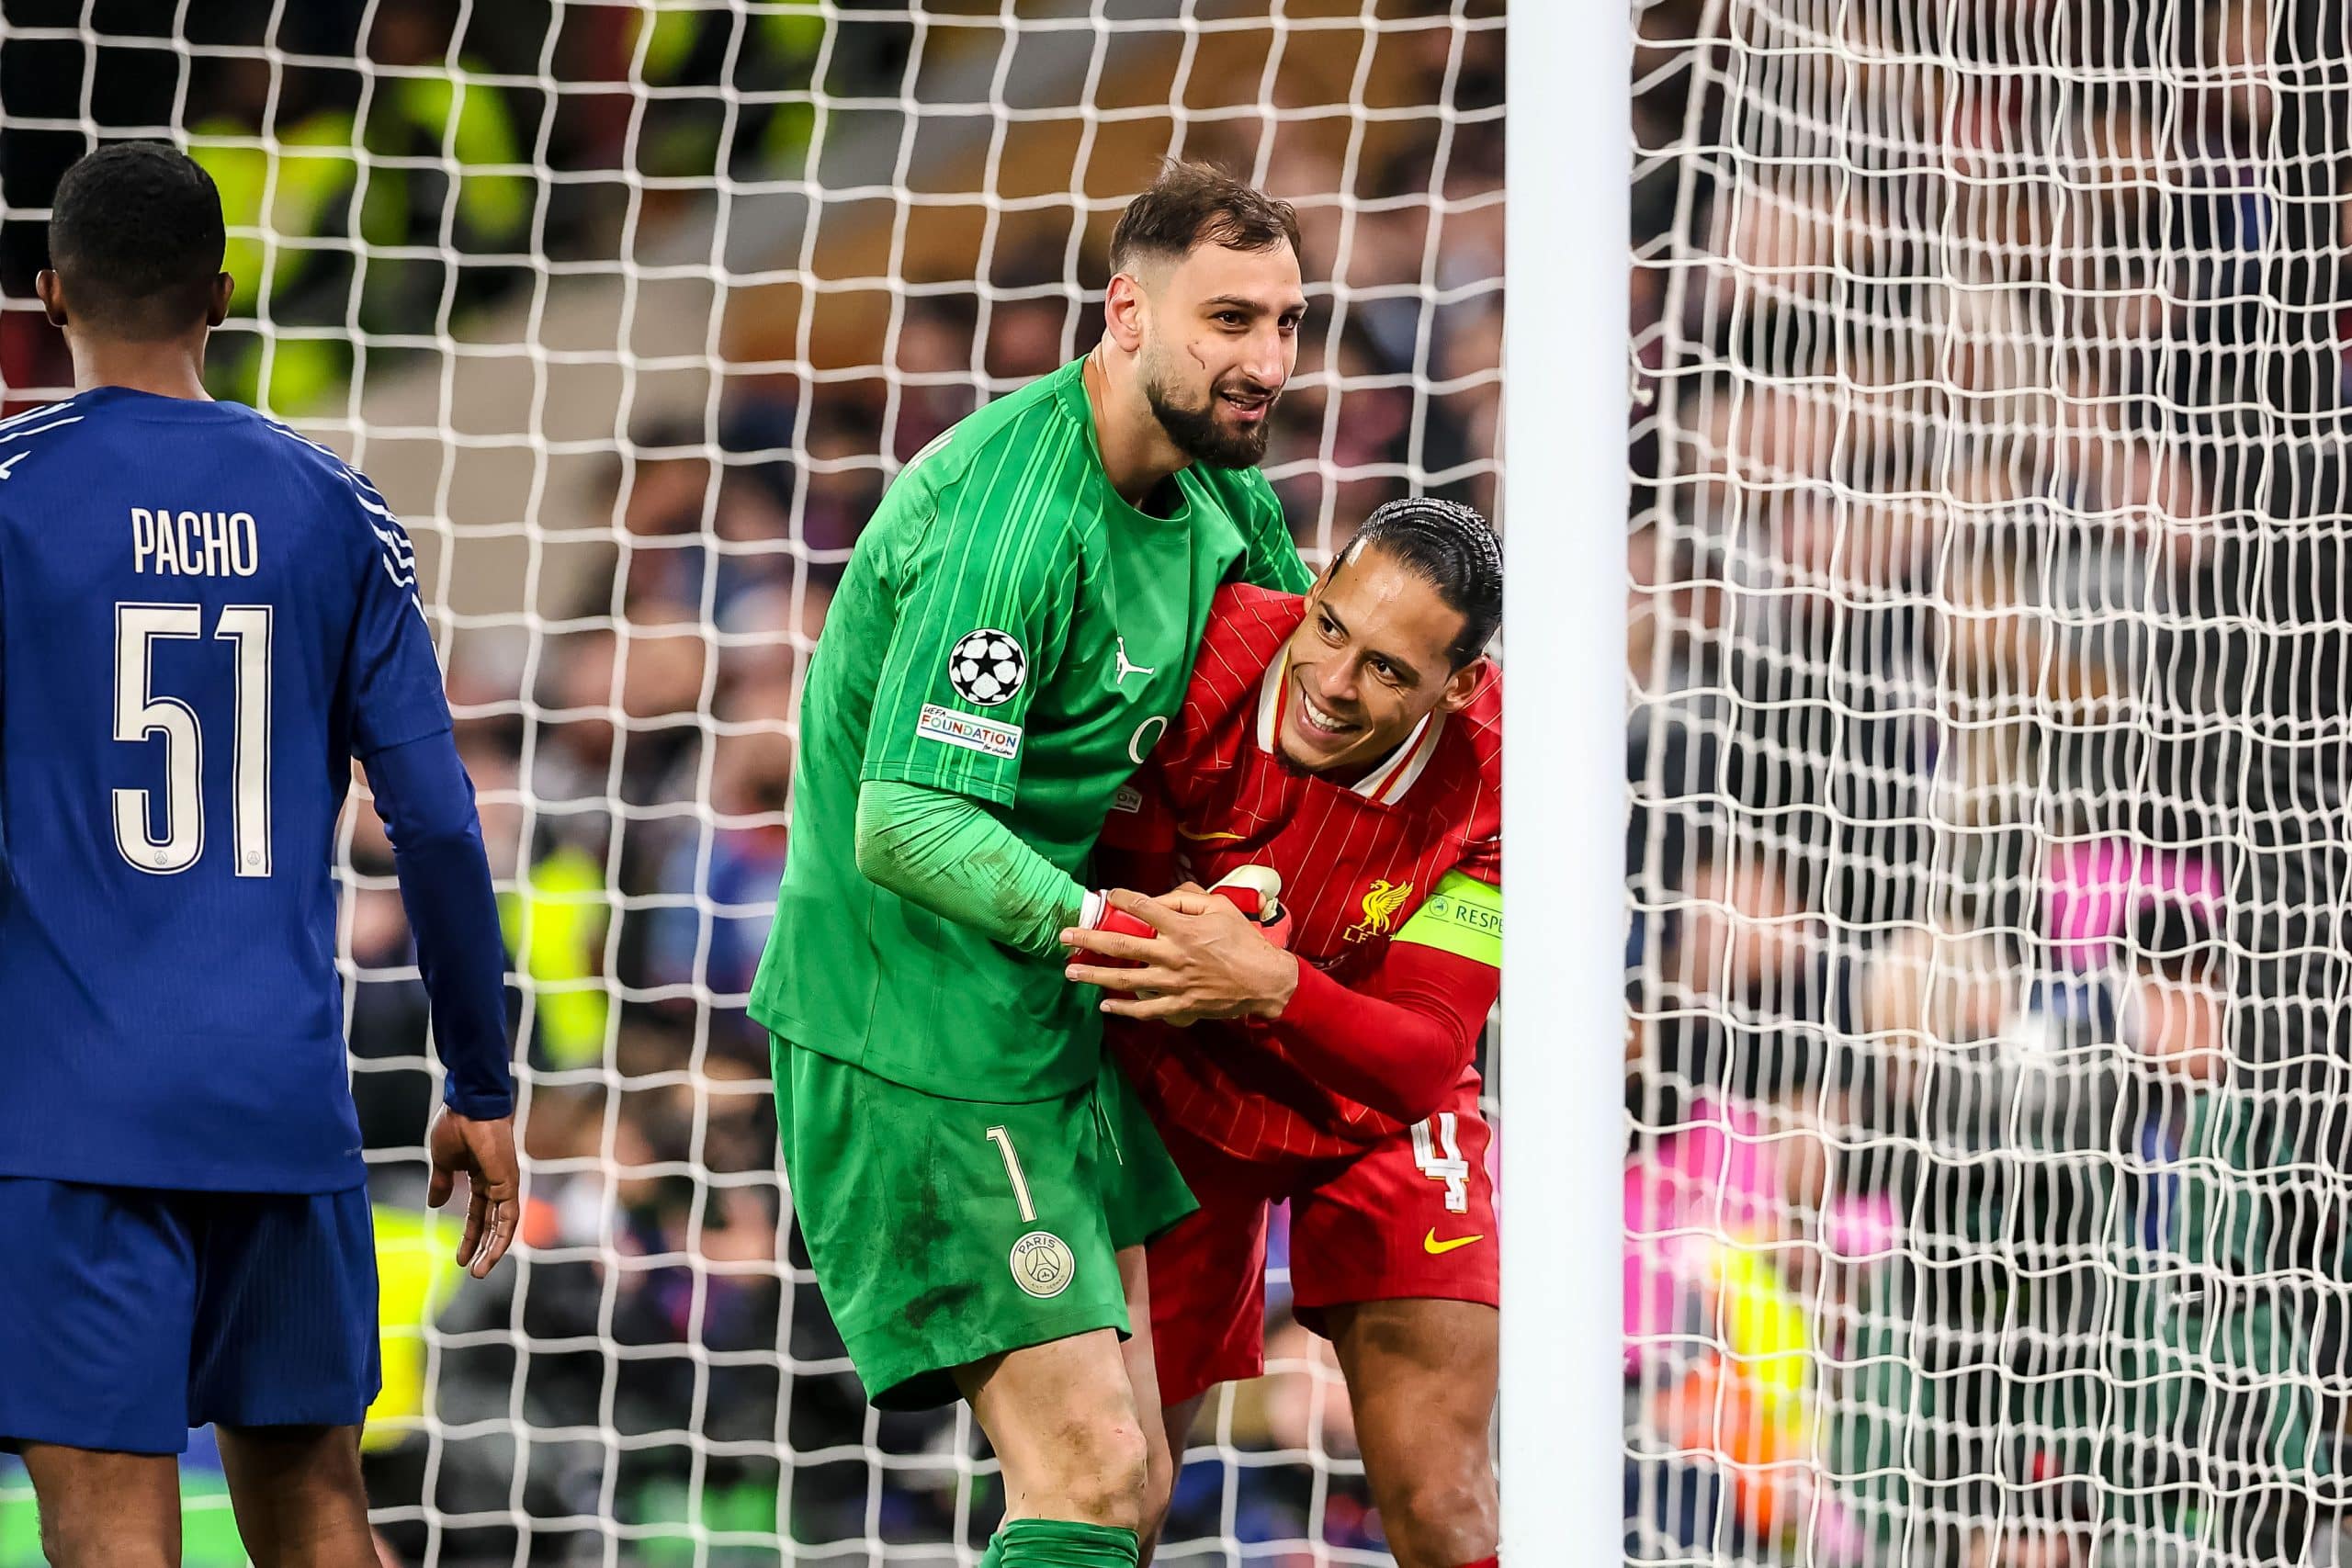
column 1016, row 628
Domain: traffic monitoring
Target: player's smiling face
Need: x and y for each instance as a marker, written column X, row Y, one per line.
column 1370, row 661
column 1220, row 345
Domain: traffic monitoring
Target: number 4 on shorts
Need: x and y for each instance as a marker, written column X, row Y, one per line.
column 1429, row 1138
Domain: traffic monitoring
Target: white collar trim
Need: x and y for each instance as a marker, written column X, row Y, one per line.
column 1270, row 701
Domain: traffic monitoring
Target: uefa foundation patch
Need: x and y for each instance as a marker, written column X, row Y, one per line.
column 968, row 731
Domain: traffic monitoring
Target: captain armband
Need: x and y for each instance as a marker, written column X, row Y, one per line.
column 1464, row 916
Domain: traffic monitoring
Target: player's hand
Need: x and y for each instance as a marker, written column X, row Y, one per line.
column 1097, row 914
column 485, row 1152
column 1205, row 959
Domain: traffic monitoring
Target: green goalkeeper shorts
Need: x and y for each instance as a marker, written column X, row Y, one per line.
column 948, row 1231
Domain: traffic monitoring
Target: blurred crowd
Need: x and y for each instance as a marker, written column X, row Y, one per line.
column 1988, row 856
column 417, row 162
column 411, row 161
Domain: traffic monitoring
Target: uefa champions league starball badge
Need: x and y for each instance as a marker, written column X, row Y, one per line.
column 1042, row 1264
column 987, row 667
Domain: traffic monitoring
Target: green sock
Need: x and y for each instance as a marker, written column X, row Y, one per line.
column 1061, row 1543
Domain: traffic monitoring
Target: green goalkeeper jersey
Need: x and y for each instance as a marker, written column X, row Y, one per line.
column 1011, row 629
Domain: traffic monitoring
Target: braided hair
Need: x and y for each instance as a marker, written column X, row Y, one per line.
column 1451, row 548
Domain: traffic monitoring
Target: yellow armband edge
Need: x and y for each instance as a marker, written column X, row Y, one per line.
column 1464, row 916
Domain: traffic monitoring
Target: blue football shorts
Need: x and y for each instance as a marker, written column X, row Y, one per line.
column 130, row 1314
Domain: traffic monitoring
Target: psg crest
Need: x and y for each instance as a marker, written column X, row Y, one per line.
column 1042, row 1264
column 987, row 667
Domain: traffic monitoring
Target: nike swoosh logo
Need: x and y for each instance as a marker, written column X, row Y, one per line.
column 1206, row 838
column 1437, row 1248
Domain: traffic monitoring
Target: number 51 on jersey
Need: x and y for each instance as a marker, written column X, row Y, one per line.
column 142, row 714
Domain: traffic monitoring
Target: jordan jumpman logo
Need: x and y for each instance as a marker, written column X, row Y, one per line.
column 1126, row 669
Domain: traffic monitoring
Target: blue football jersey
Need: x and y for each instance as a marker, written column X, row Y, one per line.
column 204, row 618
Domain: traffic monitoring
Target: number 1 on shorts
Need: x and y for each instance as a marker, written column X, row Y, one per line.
column 1003, row 1141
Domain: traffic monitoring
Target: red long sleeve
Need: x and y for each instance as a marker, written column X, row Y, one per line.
column 1399, row 1044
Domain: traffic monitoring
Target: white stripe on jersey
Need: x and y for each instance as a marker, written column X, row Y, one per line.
column 369, row 496
column 46, row 410
column 19, row 435
column 400, row 556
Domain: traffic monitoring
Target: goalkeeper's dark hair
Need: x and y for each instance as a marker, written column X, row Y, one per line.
column 1454, row 550
column 135, row 231
column 1199, row 204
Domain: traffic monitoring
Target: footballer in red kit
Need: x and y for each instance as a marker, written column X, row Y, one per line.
column 1351, row 741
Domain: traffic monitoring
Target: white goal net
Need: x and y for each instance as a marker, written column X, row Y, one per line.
column 631, row 310
column 1989, row 1174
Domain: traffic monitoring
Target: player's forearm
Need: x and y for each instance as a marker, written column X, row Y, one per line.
column 1398, row 1044
column 948, row 853
column 428, row 807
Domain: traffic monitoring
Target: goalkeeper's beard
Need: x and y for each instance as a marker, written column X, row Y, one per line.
column 1199, row 436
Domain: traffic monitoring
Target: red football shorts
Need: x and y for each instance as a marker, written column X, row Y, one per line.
column 1412, row 1217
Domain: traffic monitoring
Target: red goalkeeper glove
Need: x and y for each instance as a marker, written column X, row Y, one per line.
column 1255, row 890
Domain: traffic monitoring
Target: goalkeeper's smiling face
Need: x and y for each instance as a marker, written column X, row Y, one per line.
column 1219, row 344
column 1371, row 660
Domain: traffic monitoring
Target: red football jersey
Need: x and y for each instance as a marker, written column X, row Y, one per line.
column 1356, row 860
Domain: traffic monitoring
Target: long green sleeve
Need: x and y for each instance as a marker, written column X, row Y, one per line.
column 948, row 853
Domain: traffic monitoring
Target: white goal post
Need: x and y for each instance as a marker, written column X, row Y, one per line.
column 1564, row 999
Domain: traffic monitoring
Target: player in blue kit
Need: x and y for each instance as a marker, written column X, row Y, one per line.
column 203, row 618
